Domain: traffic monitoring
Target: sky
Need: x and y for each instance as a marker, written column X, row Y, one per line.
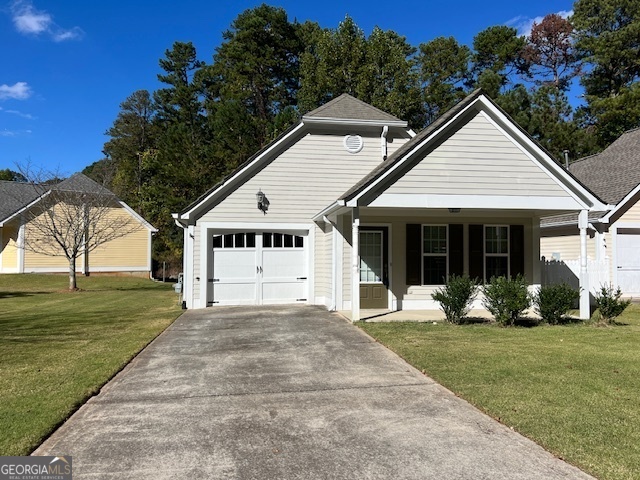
column 66, row 66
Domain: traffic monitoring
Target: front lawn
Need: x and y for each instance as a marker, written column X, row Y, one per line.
column 58, row 348
column 573, row 389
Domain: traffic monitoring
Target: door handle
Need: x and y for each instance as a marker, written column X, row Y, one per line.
column 258, row 269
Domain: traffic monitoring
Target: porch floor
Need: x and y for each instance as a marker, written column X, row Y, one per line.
column 383, row 315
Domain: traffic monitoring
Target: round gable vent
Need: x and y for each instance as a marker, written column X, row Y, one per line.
column 353, row 143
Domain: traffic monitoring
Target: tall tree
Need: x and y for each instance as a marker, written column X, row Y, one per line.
column 499, row 49
column 258, row 64
column 389, row 80
column 335, row 65
column 132, row 133
column 608, row 33
column 550, row 52
column 444, row 67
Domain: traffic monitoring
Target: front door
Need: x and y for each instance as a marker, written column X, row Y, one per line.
column 374, row 283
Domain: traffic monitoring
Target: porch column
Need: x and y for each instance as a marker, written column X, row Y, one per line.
column 21, row 245
column 355, row 264
column 585, row 311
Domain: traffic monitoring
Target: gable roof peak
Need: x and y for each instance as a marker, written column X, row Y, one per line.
column 348, row 108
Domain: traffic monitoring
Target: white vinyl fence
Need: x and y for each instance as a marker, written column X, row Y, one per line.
column 568, row 271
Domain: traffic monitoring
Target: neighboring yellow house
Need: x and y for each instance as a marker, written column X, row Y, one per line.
column 129, row 254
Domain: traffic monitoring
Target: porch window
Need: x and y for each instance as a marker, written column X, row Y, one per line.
column 434, row 254
column 496, row 251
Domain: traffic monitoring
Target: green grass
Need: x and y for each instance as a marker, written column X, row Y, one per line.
column 573, row 389
column 58, row 348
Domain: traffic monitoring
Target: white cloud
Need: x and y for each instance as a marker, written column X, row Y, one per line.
column 524, row 24
column 30, row 21
column 14, row 133
column 17, row 91
column 28, row 116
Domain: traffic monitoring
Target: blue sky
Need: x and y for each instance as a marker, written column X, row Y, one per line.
column 67, row 65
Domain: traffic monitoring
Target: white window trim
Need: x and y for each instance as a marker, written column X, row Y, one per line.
column 446, row 254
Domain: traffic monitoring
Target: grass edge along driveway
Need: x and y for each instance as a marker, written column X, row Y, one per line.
column 59, row 348
column 572, row 389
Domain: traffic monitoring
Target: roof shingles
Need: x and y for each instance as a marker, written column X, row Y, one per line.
column 613, row 173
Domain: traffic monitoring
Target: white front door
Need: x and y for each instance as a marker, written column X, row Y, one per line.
column 628, row 256
column 259, row 268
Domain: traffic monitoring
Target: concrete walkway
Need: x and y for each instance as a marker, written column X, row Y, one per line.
column 290, row 392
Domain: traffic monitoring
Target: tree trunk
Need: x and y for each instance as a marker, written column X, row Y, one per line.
column 72, row 274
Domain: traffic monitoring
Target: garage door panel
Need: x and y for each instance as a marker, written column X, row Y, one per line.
column 628, row 256
column 284, row 292
column 283, row 264
column 234, row 293
column 273, row 271
column 236, row 264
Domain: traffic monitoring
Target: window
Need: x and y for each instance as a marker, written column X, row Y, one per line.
column 496, row 251
column 371, row 256
column 434, row 254
column 281, row 240
column 235, row 240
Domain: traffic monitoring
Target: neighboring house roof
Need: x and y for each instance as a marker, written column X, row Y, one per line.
column 346, row 107
column 614, row 172
column 18, row 196
column 14, row 196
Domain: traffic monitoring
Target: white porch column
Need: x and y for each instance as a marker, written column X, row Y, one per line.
column 583, row 221
column 21, row 246
column 355, row 264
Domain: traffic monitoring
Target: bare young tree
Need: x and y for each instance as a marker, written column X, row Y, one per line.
column 71, row 218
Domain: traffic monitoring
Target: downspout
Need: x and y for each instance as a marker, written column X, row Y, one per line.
column 383, row 141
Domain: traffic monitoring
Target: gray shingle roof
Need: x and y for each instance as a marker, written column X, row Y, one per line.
column 14, row 196
column 613, row 173
column 346, row 107
column 17, row 195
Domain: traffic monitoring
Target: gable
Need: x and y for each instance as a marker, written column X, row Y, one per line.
column 302, row 180
column 477, row 159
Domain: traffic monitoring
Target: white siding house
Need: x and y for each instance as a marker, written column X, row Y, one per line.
column 362, row 213
column 613, row 236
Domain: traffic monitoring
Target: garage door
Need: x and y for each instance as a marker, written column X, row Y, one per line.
column 628, row 256
column 259, row 268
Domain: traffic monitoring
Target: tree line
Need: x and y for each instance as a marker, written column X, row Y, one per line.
column 169, row 146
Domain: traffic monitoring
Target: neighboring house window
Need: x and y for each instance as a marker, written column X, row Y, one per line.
column 434, row 253
column 496, row 251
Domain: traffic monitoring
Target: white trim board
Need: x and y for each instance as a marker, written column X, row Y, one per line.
column 497, row 202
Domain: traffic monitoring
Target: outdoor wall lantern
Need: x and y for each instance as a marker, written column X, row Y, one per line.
column 263, row 202
column 454, row 210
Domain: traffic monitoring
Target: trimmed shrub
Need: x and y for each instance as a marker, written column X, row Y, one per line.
column 609, row 303
column 552, row 302
column 456, row 297
column 506, row 298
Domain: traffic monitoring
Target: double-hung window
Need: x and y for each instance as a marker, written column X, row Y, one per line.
column 496, row 251
column 434, row 254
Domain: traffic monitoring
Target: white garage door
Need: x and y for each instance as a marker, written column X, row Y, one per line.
column 259, row 268
column 628, row 255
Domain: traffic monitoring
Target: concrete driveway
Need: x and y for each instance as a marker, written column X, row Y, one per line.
column 285, row 393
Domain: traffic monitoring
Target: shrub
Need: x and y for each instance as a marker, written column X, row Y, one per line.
column 506, row 299
column 552, row 302
column 456, row 297
column 609, row 303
